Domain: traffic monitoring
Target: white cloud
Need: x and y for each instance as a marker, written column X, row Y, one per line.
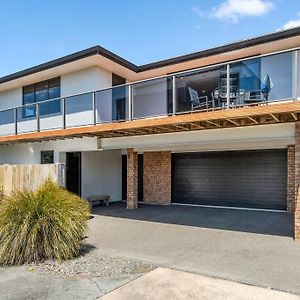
column 233, row 10
column 291, row 24
column 198, row 11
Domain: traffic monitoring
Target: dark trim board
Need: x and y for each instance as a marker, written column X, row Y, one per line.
column 98, row 50
column 249, row 179
column 140, row 177
column 124, row 177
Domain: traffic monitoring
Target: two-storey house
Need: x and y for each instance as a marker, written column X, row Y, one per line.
column 219, row 127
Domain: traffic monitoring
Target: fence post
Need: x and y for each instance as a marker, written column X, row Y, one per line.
column 61, row 174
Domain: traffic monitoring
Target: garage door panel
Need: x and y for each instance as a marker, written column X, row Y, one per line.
column 254, row 179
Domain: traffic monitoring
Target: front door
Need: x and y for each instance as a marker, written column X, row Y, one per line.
column 73, row 172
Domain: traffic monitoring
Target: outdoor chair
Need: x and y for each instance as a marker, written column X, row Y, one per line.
column 255, row 96
column 196, row 101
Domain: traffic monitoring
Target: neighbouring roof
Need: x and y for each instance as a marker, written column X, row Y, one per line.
column 159, row 64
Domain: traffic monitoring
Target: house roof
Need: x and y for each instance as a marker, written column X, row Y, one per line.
column 98, row 50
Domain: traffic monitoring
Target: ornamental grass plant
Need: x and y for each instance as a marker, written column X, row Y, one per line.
column 48, row 223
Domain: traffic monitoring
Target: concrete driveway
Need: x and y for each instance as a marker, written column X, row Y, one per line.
column 164, row 284
column 245, row 246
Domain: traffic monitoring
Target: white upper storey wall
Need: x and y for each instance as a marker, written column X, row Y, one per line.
column 85, row 81
column 93, row 78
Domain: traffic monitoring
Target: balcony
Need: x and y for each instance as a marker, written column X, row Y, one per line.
column 252, row 82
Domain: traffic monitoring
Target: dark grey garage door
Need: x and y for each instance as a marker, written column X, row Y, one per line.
column 252, row 179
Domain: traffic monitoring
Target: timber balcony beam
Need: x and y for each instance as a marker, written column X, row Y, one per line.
column 166, row 128
column 295, row 116
column 197, row 126
column 253, row 120
column 244, row 116
column 181, row 127
column 233, row 122
column 213, row 123
column 275, row 118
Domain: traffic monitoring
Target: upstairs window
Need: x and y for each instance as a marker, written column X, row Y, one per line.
column 41, row 91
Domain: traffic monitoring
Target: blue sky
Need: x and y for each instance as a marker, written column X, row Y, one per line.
column 33, row 32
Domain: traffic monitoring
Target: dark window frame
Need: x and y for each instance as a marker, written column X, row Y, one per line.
column 46, row 154
column 34, row 88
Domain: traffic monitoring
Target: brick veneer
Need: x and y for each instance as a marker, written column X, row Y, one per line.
column 291, row 193
column 157, row 177
column 132, row 184
column 297, row 179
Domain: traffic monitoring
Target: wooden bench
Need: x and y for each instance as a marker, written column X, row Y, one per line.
column 98, row 199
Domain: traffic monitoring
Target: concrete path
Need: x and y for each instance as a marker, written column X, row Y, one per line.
column 171, row 284
column 192, row 239
column 18, row 283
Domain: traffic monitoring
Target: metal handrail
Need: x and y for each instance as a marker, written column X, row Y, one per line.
column 173, row 77
column 158, row 77
column 130, row 116
column 155, row 78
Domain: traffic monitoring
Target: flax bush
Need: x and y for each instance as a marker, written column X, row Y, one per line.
column 39, row 225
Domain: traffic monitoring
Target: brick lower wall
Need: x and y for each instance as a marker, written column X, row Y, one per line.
column 297, row 182
column 291, row 193
column 132, row 183
column 157, row 177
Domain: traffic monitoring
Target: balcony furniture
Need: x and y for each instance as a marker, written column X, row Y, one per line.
column 234, row 87
column 240, row 97
column 196, row 101
column 220, row 98
column 254, row 96
column 98, row 199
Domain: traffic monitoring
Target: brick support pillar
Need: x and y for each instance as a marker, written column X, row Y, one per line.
column 297, row 183
column 291, row 193
column 132, row 184
column 157, row 177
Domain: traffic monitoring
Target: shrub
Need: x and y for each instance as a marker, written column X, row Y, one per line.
column 38, row 225
column 1, row 193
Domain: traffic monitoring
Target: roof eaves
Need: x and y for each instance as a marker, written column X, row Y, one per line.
column 70, row 58
column 224, row 48
column 159, row 64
